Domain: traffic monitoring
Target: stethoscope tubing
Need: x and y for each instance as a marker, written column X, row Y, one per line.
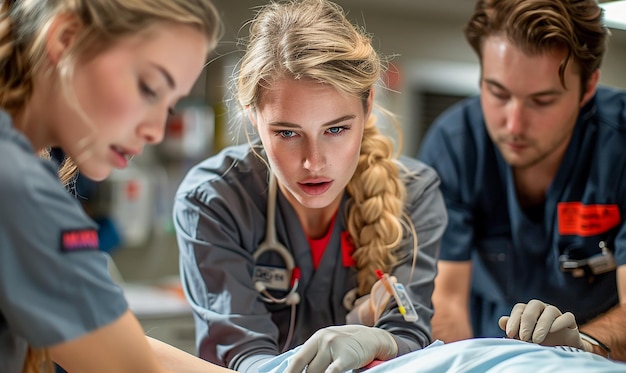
column 270, row 242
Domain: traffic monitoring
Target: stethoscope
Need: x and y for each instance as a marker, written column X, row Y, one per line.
column 264, row 276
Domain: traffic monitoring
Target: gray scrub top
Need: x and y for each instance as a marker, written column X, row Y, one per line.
column 54, row 283
column 220, row 219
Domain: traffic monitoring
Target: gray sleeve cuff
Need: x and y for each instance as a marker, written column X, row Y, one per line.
column 251, row 364
column 405, row 345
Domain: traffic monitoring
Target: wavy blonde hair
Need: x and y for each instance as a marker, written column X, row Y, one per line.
column 23, row 26
column 313, row 39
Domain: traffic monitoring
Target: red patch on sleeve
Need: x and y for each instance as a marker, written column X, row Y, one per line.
column 79, row 240
column 347, row 249
column 574, row 218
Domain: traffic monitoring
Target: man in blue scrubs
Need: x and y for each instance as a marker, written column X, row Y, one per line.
column 533, row 174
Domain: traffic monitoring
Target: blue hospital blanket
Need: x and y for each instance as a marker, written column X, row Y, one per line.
column 483, row 355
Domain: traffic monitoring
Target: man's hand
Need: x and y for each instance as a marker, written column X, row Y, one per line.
column 368, row 309
column 543, row 324
column 337, row 349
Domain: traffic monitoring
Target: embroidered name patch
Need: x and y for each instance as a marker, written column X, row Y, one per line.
column 79, row 240
column 586, row 220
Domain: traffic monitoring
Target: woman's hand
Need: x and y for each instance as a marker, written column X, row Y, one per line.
column 338, row 349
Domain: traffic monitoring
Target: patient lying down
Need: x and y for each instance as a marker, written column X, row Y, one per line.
column 481, row 355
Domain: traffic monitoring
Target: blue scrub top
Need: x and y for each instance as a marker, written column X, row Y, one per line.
column 515, row 253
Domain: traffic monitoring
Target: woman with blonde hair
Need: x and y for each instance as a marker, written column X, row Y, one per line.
column 280, row 235
column 96, row 79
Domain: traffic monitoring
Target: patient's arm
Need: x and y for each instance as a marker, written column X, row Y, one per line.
column 117, row 347
column 176, row 360
column 610, row 328
column 451, row 321
column 121, row 347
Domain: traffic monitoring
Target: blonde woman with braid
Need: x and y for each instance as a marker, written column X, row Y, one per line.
column 322, row 179
column 95, row 78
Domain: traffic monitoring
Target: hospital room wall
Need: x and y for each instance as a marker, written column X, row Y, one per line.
column 430, row 53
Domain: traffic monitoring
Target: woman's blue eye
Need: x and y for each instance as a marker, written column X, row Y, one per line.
column 337, row 130
column 287, row 134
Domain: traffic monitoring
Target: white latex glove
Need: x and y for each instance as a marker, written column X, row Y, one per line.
column 368, row 309
column 541, row 323
column 337, row 349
